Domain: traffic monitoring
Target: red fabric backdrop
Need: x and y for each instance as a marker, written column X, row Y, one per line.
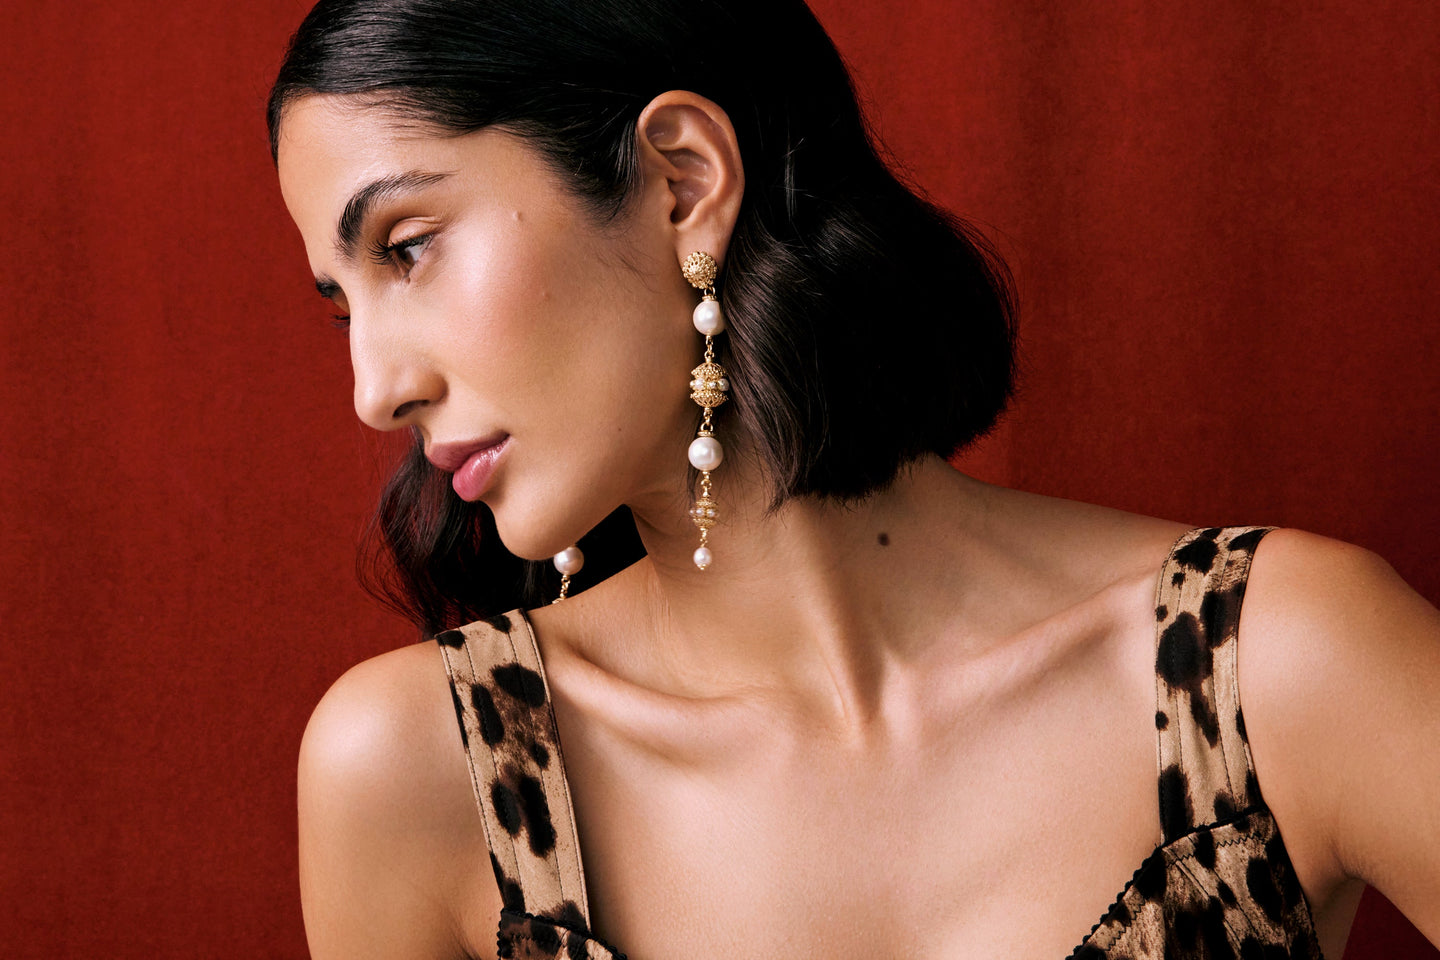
column 1222, row 217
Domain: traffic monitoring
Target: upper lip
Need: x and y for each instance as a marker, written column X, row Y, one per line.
column 452, row 456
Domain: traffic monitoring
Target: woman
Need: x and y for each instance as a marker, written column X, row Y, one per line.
column 876, row 707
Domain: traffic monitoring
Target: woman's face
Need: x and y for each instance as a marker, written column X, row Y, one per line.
column 485, row 306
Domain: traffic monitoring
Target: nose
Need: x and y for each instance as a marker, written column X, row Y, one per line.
column 394, row 384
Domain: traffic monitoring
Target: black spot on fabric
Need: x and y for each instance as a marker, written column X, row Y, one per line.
column 568, row 915
column 505, row 948
column 1205, row 717
column 1185, row 932
column 1247, row 541
column 539, row 754
column 1224, row 805
column 1178, row 659
column 1240, row 726
column 492, row 728
column 460, row 716
column 537, row 816
column 1212, row 930
column 1220, row 613
column 511, row 896
column 1122, row 914
column 1161, row 721
column 1150, row 879
column 1263, row 890
column 1205, row 849
column 883, row 539
column 1275, row 847
column 1199, row 554
column 1175, row 812
column 1252, row 788
column 1088, row 952
column 507, row 807
column 1242, row 823
column 522, row 683
column 1161, row 612
column 1210, row 533
column 1227, row 895
column 1252, row 949
column 499, row 622
column 450, row 638
column 1280, row 868
column 546, row 937
column 1177, row 578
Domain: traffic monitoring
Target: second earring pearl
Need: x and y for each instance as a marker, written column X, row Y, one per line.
column 709, row 388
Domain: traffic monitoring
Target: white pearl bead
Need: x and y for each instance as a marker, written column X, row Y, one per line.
column 708, row 319
column 706, row 453
column 569, row 560
column 703, row 557
column 723, row 384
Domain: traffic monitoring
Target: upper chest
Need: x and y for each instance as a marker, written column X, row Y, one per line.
column 1008, row 820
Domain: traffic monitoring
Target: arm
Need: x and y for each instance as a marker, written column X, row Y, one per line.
column 1340, row 682
column 393, row 859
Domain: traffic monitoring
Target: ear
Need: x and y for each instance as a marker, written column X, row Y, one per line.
column 688, row 147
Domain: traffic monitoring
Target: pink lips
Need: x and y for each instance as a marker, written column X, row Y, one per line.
column 471, row 463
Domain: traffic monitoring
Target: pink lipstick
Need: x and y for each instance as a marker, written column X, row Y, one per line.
column 472, row 464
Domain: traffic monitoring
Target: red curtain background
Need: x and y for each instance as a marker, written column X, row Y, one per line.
column 1223, row 222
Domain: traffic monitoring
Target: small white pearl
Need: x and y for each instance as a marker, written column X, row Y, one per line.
column 707, row 317
column 703, row 556
column 706, row 453
column 569, row 560
column 724, row 384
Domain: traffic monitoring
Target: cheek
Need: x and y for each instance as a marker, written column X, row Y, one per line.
column 509, row 324
column 561, row 335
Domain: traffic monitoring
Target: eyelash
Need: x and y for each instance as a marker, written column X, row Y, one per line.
column 384, row 254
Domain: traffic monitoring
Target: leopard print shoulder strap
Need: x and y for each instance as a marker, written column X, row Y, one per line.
column 507, row 726
column 1206, row 774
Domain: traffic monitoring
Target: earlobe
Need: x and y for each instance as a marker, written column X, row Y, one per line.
column 688, row 140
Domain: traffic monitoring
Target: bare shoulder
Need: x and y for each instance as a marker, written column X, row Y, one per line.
column 1339, row 670
column 393, row 857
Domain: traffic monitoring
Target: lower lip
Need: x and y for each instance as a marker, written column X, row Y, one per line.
column 474, row 474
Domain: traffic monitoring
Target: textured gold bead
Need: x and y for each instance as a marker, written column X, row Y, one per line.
column 706, row 387
column 704, row 513
column 699, row 268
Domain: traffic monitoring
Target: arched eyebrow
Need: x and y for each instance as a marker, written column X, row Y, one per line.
column 363, row 201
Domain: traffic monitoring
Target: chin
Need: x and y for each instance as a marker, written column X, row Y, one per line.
column 538, row 530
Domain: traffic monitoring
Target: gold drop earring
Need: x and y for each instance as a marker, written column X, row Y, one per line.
column 709, row 388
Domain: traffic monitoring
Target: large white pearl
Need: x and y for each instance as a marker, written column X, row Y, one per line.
column 569, row 561
column 703, row 557
column 706, row 453
column 708, row 319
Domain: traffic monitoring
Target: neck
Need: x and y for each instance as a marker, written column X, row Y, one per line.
column 819, row 601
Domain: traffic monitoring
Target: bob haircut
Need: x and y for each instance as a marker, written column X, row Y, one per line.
column 866, row 326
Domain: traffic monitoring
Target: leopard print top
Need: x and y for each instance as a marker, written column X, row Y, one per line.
column 1219, row 885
